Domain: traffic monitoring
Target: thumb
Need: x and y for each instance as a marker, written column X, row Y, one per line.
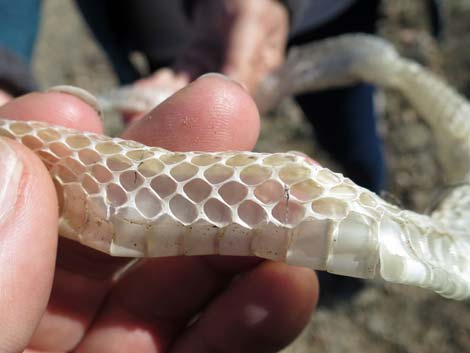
column 28, row 240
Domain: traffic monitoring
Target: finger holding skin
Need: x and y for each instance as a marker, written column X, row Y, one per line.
column 81, row 272
column 27, row 251
column 151, row 305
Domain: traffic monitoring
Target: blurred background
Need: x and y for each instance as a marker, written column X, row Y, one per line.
column 381, row 318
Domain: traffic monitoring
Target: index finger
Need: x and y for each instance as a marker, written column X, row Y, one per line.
column 28, row 235
column 151, row 305
column 80, row 271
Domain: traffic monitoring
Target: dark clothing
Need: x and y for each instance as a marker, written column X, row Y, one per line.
column 344, row 122
column 344, row 119
column 157, row 29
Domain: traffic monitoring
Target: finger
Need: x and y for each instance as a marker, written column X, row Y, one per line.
column 151, row 304
column 81, row 273
column 27, row 250
column 211, row 114
column 262, row 311
column 57, row 108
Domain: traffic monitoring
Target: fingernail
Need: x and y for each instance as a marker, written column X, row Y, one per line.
column 223, row 77
column 80, row 93
column 11, row 169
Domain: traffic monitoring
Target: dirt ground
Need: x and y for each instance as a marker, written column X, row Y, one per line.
column 381, row 318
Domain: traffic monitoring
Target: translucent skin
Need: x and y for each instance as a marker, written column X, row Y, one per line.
column 128, row 199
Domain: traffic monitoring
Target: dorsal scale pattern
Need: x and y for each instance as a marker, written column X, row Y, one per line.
column 128, row 199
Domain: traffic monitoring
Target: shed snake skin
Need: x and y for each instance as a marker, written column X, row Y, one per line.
column 128, row 199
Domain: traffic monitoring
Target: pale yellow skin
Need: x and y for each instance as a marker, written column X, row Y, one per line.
column 127, row 199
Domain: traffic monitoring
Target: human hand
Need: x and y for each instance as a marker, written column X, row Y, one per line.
column 243, row 39
column 149, row 308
